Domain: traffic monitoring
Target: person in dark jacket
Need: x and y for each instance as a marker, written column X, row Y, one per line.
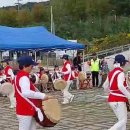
column 77, row 61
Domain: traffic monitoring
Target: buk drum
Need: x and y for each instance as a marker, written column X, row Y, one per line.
column 82, row 76
column 6, row 87
column 34, row 78
column 60, row 84
column 128, row 78
column 44, row 78
column 51, row 111
column 128, row 75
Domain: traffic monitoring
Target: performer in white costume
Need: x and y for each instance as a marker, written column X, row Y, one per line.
column 117, row 88
column 27, row 96
column 8, row 71
column 67, row 76
column 9, row 76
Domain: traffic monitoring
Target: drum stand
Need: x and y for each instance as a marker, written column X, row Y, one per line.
column 48, row 87
column 85, row 84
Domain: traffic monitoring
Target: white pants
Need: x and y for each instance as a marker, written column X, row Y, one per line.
column 120, row 110
column 99, row 80
column 12, row 100
column 66, row 94
column 26, row 122
column 77, row 83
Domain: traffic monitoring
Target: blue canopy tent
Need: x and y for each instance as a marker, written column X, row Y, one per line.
column 33, row 38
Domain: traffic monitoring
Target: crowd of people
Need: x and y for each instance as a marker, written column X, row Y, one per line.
column 27, row 96
column 69, row 72
column 99, row 70
column 95, row 76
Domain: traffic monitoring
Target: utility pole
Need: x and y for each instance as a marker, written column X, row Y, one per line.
column 18, row 4
column 52, row 22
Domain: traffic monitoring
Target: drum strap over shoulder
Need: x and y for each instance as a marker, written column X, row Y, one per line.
column 112, row 79
column 40, row 115
column 114, row 92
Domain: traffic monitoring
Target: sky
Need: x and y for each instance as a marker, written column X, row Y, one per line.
column 4, row 3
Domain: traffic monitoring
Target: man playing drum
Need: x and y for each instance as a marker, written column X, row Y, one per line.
column 117, row 88
column 67, row 76
column 27, row 96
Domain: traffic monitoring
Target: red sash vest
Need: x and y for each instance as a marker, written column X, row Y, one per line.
column 114, row 87
column 76, row 74
column 6, row 73
column 64, row 69
column 22, row 106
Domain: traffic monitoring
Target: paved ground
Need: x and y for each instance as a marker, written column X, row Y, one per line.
column 84, row 113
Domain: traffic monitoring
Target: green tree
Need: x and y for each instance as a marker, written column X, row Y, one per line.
column 40, row 13
column 122, row 7
column 24, row 17
column 8, row 17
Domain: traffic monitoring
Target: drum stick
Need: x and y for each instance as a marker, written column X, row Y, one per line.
column 101, row 96
column 97, row 97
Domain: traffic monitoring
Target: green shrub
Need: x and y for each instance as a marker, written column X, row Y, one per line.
column 109, row 42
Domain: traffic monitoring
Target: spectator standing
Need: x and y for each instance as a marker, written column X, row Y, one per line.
column 104, row 70
column 95, row 67
column 77, row 61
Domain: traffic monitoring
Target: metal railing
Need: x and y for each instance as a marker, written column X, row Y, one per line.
column 109, row 52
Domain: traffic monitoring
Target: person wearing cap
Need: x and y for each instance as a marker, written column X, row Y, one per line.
column 27, row 96
column 8, row 71
column 116, row 86
column 67, row 76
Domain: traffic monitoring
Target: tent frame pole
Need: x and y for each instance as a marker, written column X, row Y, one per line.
column 47, row 60
column 35, row 56
column 83, row 60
